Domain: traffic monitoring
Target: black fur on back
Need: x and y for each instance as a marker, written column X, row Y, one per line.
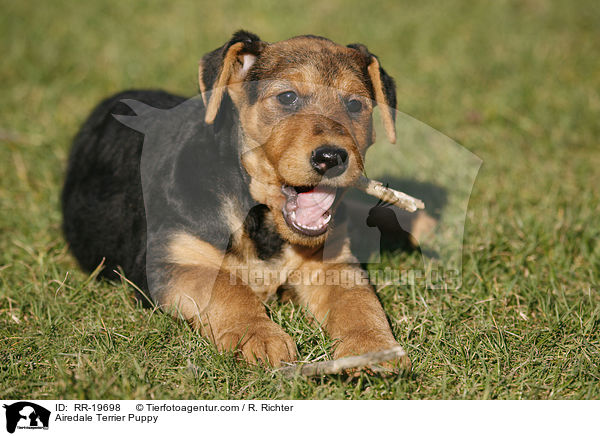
column 107, row 214
column 102, row 203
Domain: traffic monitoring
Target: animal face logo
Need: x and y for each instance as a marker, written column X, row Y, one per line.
column 26, row 415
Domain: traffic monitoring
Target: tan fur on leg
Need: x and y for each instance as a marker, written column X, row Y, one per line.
column 350, row 312
column 225, row 309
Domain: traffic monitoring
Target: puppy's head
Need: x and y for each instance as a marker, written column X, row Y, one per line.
column 305, row 108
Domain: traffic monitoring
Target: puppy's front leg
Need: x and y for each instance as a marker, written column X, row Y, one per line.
column 228, row 313
column 345, row 303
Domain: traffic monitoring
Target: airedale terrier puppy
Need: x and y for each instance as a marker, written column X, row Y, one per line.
column 250, row 180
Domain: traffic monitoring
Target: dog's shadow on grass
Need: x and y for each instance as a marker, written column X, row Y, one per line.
column 381, row 229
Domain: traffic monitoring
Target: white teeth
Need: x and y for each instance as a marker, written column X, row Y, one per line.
column 323, row 221
column 293, row 218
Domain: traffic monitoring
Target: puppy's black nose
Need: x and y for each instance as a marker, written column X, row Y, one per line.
column 329, row 161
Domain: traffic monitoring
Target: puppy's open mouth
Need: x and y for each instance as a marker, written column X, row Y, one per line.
column 307, row 210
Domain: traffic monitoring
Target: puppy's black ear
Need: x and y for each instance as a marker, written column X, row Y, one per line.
column 224, row 66
column 384, row 90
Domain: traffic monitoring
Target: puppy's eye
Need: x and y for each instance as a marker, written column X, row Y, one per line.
column 354, row 106
column 287, row 98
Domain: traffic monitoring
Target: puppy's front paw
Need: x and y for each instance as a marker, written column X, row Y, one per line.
column 259, row 339
column 361, row 342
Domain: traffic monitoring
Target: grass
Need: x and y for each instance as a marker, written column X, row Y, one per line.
column 516, row 83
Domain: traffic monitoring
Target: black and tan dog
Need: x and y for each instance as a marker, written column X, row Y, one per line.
column 281, row 130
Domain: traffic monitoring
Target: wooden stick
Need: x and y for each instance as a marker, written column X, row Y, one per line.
column 338, row 365
column 389, row 195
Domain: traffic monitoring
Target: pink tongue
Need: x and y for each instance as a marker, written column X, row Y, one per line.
column 312, row 205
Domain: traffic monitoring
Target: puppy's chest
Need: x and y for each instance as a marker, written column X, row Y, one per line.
column 263, row 260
